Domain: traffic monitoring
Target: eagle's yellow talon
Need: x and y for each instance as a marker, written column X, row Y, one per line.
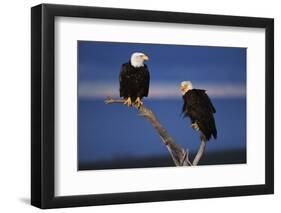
column 195, row 126
column 138, row 102
column 128, row 102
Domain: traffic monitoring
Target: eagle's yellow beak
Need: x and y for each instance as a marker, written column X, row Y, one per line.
column 182, row 88
column 145, row 57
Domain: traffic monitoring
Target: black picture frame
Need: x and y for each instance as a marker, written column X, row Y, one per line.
column 43, row 102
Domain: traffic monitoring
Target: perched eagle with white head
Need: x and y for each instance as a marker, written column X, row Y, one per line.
column 134, row 79
column 199, row 108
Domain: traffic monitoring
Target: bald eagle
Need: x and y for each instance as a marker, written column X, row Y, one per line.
column 199, row 108
column 134, row 79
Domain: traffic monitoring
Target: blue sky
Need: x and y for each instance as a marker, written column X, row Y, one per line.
column 100, row 62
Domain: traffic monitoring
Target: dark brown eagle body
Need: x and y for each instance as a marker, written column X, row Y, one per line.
column 134, row 81
column 199, row 108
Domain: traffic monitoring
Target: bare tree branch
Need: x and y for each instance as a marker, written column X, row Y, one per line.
column 199, row 153
column 179, row 155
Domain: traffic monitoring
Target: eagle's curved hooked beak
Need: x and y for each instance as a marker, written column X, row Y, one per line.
column 145, row 57
column 183, row 89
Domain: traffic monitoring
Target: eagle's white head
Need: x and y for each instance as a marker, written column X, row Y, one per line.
column 137, row 59
column 185, row 86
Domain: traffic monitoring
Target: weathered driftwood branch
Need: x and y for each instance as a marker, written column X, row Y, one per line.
column 200, row 153
column 178, row 154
